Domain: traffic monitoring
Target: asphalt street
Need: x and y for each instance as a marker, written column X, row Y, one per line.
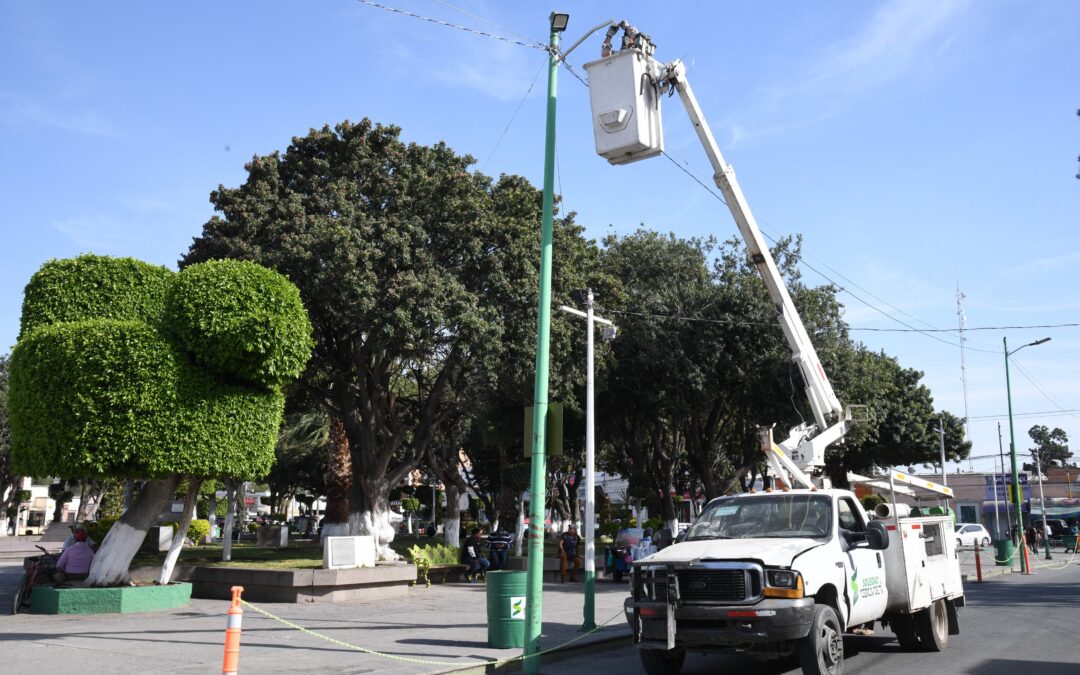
column 1012, row 625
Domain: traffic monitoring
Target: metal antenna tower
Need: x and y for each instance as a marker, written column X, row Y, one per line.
column 963, row 368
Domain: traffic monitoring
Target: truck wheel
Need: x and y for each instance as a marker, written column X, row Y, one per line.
column 933, row 627
column 904, row 628
column 821, row 652
column 662, row 661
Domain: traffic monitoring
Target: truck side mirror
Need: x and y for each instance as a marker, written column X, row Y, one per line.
column 877, row 536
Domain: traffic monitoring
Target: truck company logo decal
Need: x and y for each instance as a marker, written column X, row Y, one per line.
column 854, row 587
column 871, row 586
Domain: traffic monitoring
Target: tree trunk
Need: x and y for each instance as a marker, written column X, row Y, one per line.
column 89, row 507
column 211, row 512
column 373, row 518
column 181, row 532
column 231, row 488
column 340, row 480
column 110, row 566
column 408, row 523
column 452, row 517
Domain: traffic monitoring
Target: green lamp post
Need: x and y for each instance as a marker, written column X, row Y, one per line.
column 1016, row 489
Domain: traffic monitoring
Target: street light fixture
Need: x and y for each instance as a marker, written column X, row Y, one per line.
column 608, row 333
column 559, row 22
column 1012, row 448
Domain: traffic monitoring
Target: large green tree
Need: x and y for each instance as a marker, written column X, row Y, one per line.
column 1052, row 446
column 125, row 369
column 403, row 257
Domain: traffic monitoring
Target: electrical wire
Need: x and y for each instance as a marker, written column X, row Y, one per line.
column 1049, row 398
column 1027, row 414
column 802, row 261
column 487, row 21
column 514, row 116
column 531, row 45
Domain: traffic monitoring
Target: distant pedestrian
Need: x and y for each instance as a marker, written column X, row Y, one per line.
column 470, row 555
column 499, row 543
column 569, row 543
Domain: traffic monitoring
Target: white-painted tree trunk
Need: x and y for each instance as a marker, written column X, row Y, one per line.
column 211, row 513
column 452, row 517
column 230, row 520
column 4, row 524
column 181, row 531
column 519, row 526
column 673, row 527
column 375, row 523
column 408, row 523
column 110, row 566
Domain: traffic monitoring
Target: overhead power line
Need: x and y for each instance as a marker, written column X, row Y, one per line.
column 447, row 24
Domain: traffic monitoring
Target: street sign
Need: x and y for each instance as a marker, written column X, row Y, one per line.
column 554, row 434
column 997, row 484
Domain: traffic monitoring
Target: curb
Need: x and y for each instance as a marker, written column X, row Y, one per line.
column 994, row 572
column 601, row 644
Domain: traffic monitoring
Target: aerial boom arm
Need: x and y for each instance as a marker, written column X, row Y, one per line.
column 806, row 445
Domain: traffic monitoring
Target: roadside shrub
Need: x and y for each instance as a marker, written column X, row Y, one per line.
column 198, row 530
column 277, row 517
column 253, row 527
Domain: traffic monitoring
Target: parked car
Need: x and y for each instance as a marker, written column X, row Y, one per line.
column 967, row 534
column 1058, row 527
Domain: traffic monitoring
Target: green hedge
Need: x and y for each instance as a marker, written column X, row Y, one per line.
column 105, row 390
column 94, row 287
column 240, row 318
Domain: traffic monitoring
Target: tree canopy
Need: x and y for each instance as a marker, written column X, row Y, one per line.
column 1052, row 447
column 110, row 385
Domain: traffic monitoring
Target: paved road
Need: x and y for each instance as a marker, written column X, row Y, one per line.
column 1012, row 625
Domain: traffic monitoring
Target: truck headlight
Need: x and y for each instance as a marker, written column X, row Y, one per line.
column 783, row 584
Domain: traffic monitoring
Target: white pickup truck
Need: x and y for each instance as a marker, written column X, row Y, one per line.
column 777, row 573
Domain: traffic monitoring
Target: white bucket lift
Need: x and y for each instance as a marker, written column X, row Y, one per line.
column 626, row 106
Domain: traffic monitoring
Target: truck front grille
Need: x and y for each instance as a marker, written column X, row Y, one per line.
column 708, row 585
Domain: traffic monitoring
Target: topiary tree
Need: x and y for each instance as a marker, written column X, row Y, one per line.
column 127, row 369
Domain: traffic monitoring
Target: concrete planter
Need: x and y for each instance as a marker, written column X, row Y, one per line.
column 385, row 580
column 119, row 600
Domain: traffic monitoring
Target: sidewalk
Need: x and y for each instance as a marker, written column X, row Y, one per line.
column 443, row 626
column 990, row 568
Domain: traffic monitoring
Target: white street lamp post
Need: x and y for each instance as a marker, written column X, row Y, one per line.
column 590, row 458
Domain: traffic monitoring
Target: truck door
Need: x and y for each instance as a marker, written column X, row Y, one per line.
column 865, row 594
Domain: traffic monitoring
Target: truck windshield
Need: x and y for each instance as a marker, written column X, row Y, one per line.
column 765, row 517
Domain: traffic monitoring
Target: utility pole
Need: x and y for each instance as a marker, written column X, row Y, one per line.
column 963, row 369
column 1001, row 454
column 1042, row 502
column 941, row 433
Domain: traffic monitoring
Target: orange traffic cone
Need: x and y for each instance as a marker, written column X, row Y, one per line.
column 232, row 633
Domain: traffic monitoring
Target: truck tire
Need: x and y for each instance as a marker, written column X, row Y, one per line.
column 662, row 661
column 904, row 628
column 932, row 624
column 821, row 652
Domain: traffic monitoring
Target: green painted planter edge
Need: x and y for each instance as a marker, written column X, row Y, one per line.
column 119, row 600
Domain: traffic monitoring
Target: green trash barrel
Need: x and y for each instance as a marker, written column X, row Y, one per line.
column 1070, row 542
column 506, row 608
column 1003, row 552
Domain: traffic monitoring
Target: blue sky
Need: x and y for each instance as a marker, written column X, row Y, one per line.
column 915, row 145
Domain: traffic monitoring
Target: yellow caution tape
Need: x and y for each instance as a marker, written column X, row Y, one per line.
column 424, row 662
